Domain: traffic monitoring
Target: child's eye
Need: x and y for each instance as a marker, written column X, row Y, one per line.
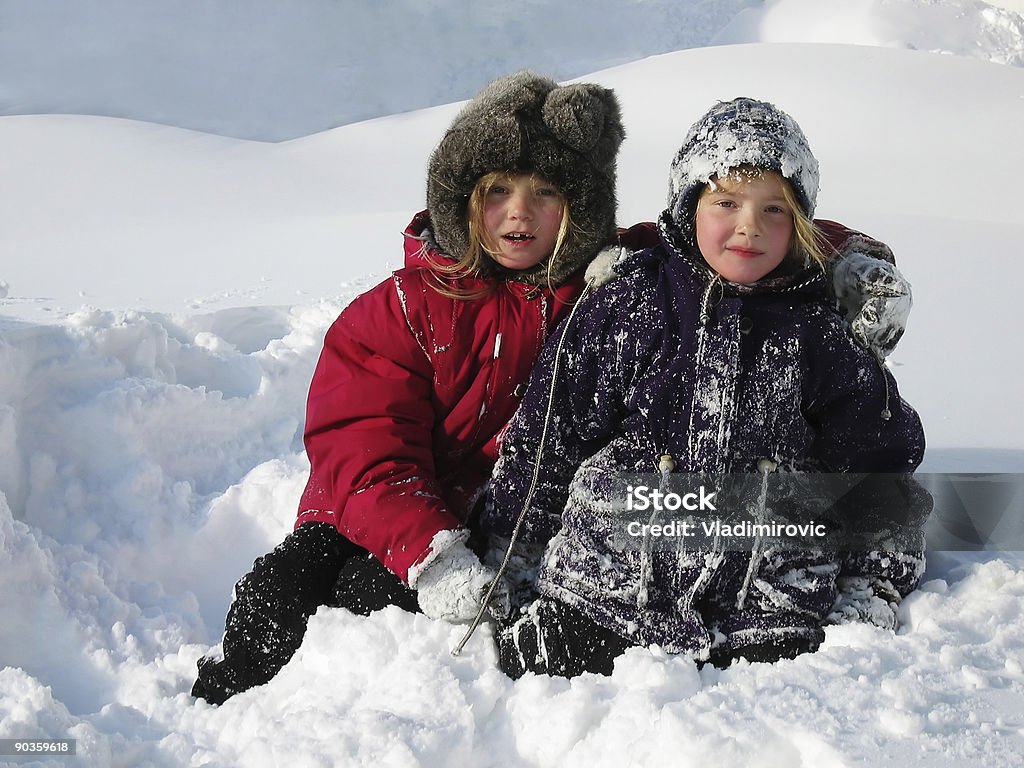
column 725, row 203
column 775, row 209
column 547, row 192
column 497, row 189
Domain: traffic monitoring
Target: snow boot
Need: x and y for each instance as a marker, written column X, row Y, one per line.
column 551, row 638
column 766, row 652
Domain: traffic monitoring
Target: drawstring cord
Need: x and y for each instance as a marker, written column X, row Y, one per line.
column 666, row 465
column 533, row 482
column 705, row 302
column 886, row 413
column 765, row 467
column 705, row 317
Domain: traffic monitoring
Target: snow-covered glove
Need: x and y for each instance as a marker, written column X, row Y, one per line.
column 865, row 599
column 876, row 299
column 452, row 586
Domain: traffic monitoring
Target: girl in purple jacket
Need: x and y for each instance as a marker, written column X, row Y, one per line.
column 717, row 353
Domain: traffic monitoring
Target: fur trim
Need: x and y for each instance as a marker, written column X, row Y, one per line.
column 602, row 269
column 527, row 123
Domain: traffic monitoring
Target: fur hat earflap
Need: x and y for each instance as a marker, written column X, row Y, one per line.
column 525, row 123
column 734, row 133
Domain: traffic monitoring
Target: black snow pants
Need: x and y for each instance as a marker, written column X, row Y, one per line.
column 314, row 566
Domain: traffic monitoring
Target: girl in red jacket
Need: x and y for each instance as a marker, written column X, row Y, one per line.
column 419, row 375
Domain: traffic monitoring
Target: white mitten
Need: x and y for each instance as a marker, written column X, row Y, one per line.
column 453, row 584
column 876, row 299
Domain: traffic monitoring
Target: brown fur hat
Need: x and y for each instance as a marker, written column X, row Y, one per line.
column 526, row 123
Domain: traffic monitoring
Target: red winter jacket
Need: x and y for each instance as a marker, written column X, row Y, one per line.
column 408, row 399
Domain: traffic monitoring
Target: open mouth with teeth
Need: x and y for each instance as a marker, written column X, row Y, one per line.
column 518, row 237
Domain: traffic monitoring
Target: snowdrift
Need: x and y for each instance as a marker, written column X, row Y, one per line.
column 150, row 440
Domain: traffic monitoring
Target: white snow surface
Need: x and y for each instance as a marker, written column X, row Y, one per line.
column 263, row 69
column 163, row 298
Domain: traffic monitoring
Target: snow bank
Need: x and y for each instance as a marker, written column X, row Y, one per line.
column 384, row 691
column 135, row 448
column 962, row 27
column 273, row 71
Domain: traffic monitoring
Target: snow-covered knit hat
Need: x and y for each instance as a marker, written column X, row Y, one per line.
column 733, row 133
column 529, row 124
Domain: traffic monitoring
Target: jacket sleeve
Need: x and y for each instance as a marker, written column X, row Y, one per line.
column 368, row 435
column 866, row 428
column 847, row 241
column 573, row 404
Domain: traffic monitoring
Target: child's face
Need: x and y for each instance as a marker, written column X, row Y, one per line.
column 521, row 217
column 744, row 226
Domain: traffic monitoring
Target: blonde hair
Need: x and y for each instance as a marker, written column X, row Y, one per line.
column 478, row 261
column 809, row 243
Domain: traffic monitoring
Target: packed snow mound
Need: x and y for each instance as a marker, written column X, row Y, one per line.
column 959, row 27
column 273, row 71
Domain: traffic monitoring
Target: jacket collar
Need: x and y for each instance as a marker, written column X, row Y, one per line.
column 804, row 281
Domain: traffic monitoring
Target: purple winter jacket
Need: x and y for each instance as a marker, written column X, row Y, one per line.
column 670, row 359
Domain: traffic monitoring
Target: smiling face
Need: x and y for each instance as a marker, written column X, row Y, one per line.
column 744, row 225
column 522, row 216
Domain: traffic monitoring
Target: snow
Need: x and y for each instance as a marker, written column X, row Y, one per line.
column 261, row 69
column 266, row 70
column 969, row 28
column 163, row 298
